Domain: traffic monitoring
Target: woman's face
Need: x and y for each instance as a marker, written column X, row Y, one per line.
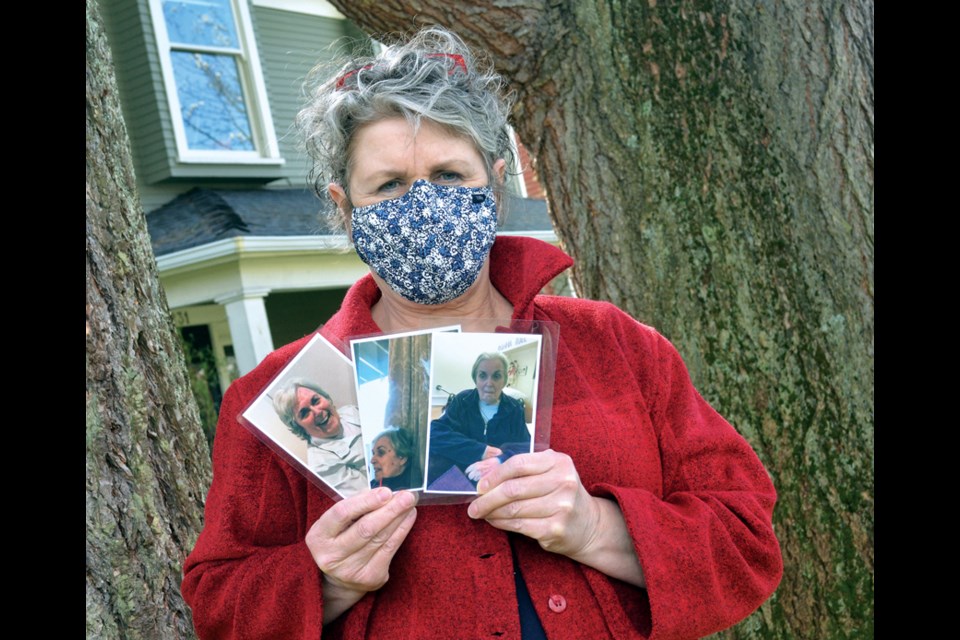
column 387, row 158
column 490, row 380
column 316, row 414
column 386, row 462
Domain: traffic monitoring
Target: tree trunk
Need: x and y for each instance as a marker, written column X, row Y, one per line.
column 148, row 466
column 710, row 167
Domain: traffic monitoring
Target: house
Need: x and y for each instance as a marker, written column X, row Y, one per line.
column 209, row 90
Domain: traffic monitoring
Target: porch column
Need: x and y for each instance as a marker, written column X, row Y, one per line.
column 249, row 329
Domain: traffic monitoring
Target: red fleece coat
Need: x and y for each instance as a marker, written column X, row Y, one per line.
column 696, row 500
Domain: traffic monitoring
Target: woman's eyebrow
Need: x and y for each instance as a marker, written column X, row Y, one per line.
column 451, row 163
column 383, row 174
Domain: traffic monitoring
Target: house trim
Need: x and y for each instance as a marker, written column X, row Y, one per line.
column 310, row 7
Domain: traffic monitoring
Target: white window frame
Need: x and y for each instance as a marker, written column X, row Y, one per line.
column 267, row 151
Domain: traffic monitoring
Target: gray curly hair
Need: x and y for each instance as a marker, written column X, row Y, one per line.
column 419, row 78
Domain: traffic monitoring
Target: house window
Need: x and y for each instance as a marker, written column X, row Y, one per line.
column 214, row 83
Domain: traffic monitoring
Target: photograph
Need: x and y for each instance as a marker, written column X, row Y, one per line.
column 308, row 414
column 483, row 403
column 392, row 388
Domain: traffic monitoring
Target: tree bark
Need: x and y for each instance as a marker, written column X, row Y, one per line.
column 710, row 167
column 148, row 466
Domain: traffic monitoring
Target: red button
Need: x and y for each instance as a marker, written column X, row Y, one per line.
column 557, row 603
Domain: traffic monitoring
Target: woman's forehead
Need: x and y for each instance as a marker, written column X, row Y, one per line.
column 393, row 145
column 305, row 393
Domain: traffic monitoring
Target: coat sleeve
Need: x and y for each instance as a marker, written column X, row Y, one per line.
column 706, row 545
column 448, row 436
column 251, row 574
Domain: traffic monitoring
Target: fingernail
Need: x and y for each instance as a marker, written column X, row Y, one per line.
column 383, row 494
column 406, row 499
column 472, row 512
column 482, row 486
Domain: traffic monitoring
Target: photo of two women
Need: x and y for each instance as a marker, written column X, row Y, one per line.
column 440, row 410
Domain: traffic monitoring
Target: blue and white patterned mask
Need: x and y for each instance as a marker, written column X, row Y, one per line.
column 429, row 244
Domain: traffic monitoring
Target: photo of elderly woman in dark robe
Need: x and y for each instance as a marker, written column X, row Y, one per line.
column 482, row 426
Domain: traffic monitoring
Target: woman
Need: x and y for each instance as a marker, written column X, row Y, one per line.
column 334, row 441
column 393, row 459
column 481, row 427
column 650, row 516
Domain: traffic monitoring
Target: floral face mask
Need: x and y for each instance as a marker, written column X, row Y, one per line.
column 429, row 244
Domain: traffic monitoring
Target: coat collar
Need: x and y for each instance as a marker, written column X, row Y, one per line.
column 520, row 267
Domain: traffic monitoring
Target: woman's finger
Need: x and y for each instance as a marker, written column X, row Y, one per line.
column 490, row 452
column 375, row 526
column 372, row 528
column 543, row 530
column 369, row 568
column 382, row 537
column 540, row 496
column 518, row 466
column 472, row 472
column 392, row 544
column 360, row 558
column 344, row 513
column 551, row 505
column 372, row 561
column 516, row 491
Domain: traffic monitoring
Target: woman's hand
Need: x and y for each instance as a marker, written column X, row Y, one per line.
column 540, row 495
column 480, row 468
column 491, row 452
column 354, row 542
column 489, row 460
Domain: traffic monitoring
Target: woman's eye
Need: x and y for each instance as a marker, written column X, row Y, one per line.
column 315, row 401
column 449, row 176
column 390, row 185
column 303, row 414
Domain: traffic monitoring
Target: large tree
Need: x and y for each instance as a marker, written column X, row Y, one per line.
column 148, row 466
column 710, row 167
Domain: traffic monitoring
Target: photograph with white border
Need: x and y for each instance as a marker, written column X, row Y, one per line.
column 483, row 406
column 308, row 414
column 392, row 388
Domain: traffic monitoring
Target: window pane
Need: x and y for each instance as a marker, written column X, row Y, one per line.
column 211, row 102
column 200, row 22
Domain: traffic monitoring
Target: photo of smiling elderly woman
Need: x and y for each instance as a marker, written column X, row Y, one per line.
column 333, row 436
column 308, row 416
